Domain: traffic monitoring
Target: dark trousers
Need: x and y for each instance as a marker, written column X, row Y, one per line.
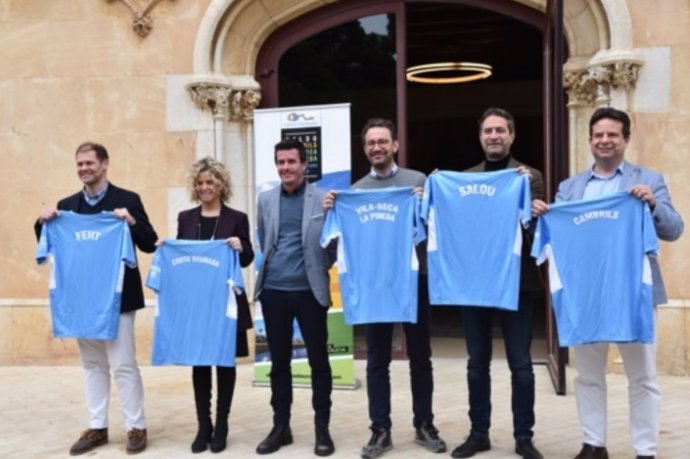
column 517, row 335
column 379, row 347
column 279, row 309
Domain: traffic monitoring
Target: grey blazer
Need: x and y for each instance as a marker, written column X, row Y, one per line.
column 667, row 221
column 317, row 260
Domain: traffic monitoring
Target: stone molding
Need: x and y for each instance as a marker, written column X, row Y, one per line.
column 231, row 98
column 590, row 83
column 142, row 23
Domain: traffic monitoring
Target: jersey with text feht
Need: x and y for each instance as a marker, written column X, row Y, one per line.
column 196, row 310
column 475, row 240
column 377, row 263
column 88, row 253
column 599, row 273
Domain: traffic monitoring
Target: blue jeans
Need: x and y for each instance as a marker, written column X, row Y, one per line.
column 379, row 347
column 517, row 335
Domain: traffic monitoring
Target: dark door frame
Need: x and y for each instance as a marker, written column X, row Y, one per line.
column 555, row 160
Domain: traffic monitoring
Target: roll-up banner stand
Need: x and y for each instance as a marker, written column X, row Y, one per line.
column 325, row 132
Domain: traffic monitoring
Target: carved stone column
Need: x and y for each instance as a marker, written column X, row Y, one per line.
column 232, row 98
column 592, row 85
column 229, row 99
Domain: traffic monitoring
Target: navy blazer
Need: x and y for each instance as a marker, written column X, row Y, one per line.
column 231, row 222
column 143, row 235
column 317, row 260
column 667, row 221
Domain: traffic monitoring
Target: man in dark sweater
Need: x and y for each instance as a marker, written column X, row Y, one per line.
column 380, row 146
column 496, row 135
column 99, row 357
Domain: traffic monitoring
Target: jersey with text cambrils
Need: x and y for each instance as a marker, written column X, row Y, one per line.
column 88, row 253
column 475, row 240
column 377, row 264
column 599, row 273
column 196, row 310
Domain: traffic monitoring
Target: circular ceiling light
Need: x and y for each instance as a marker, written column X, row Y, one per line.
column 468, row 71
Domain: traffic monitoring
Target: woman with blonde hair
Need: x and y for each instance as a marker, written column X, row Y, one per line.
column 209, row 185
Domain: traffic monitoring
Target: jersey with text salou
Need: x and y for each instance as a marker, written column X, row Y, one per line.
column 377, row 263
column 196, row 310
column 88, row 253
column 475, row 241
column 599, row 273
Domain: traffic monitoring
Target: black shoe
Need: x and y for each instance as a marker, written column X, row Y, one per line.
column 279, row 436
column 324, row 443
column 644, row 457
column 427, row 436
column 592, row 452
column 203, row 437
column 379, row 443
column 474, row 444
column 526, row 449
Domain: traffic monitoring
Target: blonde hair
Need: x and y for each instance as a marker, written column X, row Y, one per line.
column 218, row 171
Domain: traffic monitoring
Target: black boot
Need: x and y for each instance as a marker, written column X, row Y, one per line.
column 201, row 379
column 226, row 388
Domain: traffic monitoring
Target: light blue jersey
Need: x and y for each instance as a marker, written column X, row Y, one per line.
column 88, row 253
column 377, row 263
column 599, row 273
column 196, row 310
column 475, row 240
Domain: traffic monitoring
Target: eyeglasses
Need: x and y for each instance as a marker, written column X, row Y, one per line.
column 379, row 142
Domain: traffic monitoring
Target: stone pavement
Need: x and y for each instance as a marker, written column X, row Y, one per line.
column 42, row 413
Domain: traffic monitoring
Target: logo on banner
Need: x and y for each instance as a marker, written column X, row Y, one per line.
column 301, row 119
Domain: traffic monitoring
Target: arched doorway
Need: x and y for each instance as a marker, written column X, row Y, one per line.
column 358, row 51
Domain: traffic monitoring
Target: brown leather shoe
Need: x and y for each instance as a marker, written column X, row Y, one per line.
column 592, row 452
column 88, row 440
column 136, row 441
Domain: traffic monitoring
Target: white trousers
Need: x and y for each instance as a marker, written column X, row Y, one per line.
column 644, row 398
column 98, row 357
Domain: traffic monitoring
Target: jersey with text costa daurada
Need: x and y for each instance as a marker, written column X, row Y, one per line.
column 475, row 241
column 599, row 273
column 88, row 253
column 377, row 264
column 196, row 310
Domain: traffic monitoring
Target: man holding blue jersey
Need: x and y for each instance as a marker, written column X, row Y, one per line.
column 496, row 135
column 379, row 137
column 99, row 357
column 609, row 135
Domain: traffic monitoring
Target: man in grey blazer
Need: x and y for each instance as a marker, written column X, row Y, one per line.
column 609, row 135
column 293, row 283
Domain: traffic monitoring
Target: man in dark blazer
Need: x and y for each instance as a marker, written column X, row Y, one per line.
column 293, row 283
column 496, row 135
column 99, row 356
column 609, row 135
